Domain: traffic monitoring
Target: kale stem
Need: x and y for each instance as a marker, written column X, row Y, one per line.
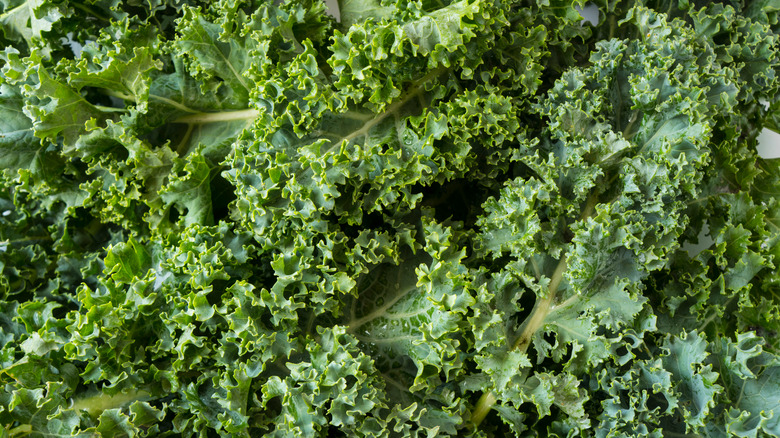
column 310, row 326
column 535, row 320
column 118, row 94
column 356, row 323
column 612, row 25
column 529, row 328
column 224, row 116
column 417, row 88
column 164, row 100
column 30, row 239
column 110, row 109
column 10, row 12
column 100, row 402
column 180, row 148
column 484, row 405
column 173, row 103
column 631, row 122
column 541, row 308
column 22, row 430
column 91, row 11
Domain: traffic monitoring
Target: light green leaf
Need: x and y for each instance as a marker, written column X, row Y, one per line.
column 29, row 20
column 127, row 261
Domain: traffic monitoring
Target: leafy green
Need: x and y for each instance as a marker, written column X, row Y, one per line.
column 477, row 218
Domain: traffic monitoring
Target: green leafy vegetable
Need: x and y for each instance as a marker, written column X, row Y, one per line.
column 477, row 218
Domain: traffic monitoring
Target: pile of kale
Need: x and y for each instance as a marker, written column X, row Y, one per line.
column 427, row 218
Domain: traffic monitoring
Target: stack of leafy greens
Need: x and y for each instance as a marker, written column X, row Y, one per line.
column 430, row 218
